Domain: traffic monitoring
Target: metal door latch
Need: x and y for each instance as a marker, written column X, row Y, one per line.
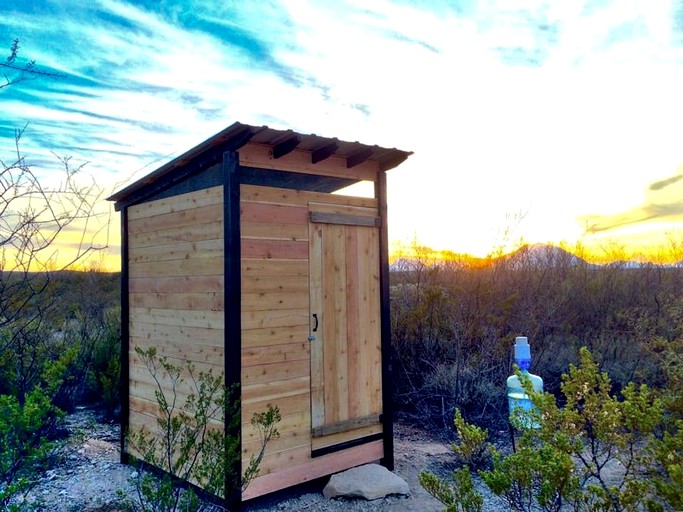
column 312, row 337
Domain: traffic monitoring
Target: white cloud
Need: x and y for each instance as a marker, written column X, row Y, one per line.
column 549, row 108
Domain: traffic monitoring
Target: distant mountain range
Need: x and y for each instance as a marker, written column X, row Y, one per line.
column 543, row 255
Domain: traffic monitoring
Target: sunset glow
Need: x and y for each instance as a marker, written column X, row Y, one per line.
column 531, row 121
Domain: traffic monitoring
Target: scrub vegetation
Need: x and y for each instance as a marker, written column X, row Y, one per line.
column 599, row 451
column 608, row 342
column 62, row 351
column 454, row 323
column 189, row 441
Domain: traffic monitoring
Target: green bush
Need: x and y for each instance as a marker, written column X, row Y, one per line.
column 459, row 497
column 190, row 444
column 25, row 445
column 599, row 452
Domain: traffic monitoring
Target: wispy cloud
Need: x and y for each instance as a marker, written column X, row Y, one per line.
column 546, row 103
column 659, row 185
column 663, row 203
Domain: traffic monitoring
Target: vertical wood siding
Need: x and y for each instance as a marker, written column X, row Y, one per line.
column 276, row 366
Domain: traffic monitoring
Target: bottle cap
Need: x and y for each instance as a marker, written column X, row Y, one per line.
column 522, row 352
column 522, row 348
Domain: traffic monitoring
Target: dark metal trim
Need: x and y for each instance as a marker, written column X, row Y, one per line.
column 232, row 300
column 183, row 171
column 124, row 376
column 292, row 180
column 385, row 322
column 181, row 174
column 346, row 445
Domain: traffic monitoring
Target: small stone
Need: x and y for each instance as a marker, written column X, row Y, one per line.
column 134, row 474
column 370, row 481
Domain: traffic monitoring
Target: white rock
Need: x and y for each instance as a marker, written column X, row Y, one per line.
column 371, row 482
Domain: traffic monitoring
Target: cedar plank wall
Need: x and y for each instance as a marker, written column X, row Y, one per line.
column 275, row 327
column 176, row 250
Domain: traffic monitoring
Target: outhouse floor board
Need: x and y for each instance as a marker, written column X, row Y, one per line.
column 315, row 468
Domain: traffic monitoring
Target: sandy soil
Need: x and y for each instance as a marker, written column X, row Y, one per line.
column 90, row 477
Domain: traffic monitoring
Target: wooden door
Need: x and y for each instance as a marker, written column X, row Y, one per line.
column 346, row 386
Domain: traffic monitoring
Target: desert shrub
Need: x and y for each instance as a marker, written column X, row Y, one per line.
column 90, row 324
column 453, row 324
column 72, row 329
column 102, row 379
column 25, row 443
column 461, row 496
column 190, row 444
column 602, row 451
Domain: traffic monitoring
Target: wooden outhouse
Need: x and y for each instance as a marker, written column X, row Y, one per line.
column 241, row 255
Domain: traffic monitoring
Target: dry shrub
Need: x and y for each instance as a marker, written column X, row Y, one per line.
column 454, row 324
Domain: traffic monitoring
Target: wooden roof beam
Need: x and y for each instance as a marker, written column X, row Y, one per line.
column 394, row 162
column 358, row 157
column 240, row 138
column 286, row 146
column 324, row 152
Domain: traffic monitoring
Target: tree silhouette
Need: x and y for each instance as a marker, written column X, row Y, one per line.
column 34, row 216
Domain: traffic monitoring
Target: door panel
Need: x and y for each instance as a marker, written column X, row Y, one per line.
column 345, row 352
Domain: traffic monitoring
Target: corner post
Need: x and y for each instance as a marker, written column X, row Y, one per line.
column 385, row 322
column 232, row 310
column 124, row 375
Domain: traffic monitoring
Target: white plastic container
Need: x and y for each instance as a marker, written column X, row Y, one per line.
column 517, row 398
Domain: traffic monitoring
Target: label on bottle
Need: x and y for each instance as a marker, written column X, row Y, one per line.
column 520, row 401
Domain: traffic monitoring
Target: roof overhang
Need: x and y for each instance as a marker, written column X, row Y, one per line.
column 282, row 143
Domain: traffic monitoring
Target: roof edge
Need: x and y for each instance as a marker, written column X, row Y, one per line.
column 239, row 134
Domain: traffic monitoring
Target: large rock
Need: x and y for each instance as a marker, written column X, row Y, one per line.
column 371, row 482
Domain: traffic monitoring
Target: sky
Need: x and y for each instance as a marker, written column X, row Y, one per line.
column 530, row 120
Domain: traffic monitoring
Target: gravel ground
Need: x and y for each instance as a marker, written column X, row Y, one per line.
column 89, row 478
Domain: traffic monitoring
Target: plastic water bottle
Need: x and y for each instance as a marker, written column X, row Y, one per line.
column 517, row 398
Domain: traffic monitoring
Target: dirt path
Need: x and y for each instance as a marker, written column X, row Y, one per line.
column 90, row 477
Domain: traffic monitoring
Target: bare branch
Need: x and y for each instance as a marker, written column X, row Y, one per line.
column 34, row 218
column 14, row 72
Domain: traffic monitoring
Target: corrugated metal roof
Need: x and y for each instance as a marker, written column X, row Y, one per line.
column 238, row 134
